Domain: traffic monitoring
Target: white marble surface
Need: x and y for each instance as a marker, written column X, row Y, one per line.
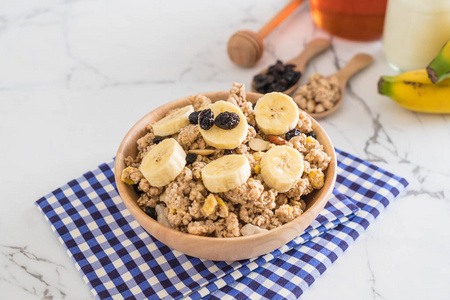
column 76, row 75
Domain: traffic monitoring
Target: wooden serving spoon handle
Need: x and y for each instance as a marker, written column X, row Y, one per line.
column 356, row 64
column 283, row 14
column 313, row 48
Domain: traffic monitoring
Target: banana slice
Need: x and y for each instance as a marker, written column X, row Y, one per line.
column 163, row 163
column 222, row 138
column 276, row 113
column 226, row 173
column 173, row 123
column 281, row 168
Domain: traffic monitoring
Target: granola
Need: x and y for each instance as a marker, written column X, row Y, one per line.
column 318, row 94
column 187, row 205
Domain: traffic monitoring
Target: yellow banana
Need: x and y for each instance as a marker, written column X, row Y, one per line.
column 415, row 91
column 439, row 68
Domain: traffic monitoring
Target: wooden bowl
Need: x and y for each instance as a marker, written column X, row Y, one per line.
column 212, row 248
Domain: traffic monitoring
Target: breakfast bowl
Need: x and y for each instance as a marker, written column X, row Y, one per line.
column 215, row 248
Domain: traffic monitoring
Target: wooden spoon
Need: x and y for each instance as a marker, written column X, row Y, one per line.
column 356, row 64
column 245, row 47
column 313, row 48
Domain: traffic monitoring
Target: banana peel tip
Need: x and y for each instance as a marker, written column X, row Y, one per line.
column 432, row 74
column 380, row 85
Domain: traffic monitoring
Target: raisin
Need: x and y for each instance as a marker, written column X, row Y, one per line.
column 282, row 84
column 311, row 134
column 157, row 140
column 292, row 133
column 270, row 78
column 193, row 117
column 227, row 120
column 151, row 212
column 206, row 119
column 260, row 81
column 190, row 158
column 136, row 189
column 229, row 151
column 289, row 67
column 278, row 67
column 260, row 87
column 292, row 77
column 273, row 87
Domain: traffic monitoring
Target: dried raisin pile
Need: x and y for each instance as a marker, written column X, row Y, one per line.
column 279, row 77
column 206, row 119
column 227, row 120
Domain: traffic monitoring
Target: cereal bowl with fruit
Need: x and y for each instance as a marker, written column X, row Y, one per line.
column 226, row 175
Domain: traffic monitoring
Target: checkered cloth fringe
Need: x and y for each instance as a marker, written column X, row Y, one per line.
column 119, row 259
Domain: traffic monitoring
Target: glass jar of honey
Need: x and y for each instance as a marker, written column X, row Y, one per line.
column 360, row 20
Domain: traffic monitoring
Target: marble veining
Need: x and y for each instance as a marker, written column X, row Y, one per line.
column 75, row 75
column 24, row 269
column 372, row 280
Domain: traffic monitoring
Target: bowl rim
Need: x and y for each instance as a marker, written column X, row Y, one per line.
column 133, row 207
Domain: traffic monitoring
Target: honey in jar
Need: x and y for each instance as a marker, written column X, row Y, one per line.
column 360, row 20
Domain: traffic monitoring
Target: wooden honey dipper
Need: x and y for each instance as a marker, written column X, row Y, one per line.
column 245, row 47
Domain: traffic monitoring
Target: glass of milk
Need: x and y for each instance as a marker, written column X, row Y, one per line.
column 414, row 32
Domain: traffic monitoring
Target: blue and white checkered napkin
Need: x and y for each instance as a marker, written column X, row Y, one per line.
column 119, row 259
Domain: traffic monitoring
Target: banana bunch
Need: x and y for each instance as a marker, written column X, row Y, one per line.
column 425, row 91
column 414, row 91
